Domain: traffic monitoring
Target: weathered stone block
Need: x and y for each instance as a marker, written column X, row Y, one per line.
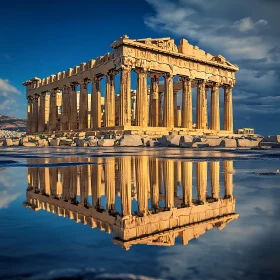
column 43, row 143
column 131, row 141
column 8, row 142
column 247, row 143
column 228, row 143
column 212, row 142
column 170, row 140
column 55, row 142
column 199, row 145
column 29, row 144
column 106, row 142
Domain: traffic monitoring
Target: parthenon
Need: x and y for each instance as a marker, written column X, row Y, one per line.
column 152, row 106
column 100, row 193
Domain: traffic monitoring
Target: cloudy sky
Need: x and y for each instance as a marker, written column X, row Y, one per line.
column 50, row 36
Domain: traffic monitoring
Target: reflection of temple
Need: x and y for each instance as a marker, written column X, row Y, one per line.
column 100, row 193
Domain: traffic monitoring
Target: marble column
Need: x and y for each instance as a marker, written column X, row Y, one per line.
column 168, row 112
column 175, row 108
column 96, row 102
column 32, row 114
column 125, row 97
column 110, row 188
column 125, row 185
column 110, row 99
column 141, row 98
column 29, row 114
column 74, row 110
column 215, row 178
column 53, row 112
column 228, row 178
column 201, row 105
column 168, row 177
column 83, row 107
column 154, row 101
column 206, row 109
column 215, row 108
column 201, row 180
column 186, row 103
column 187, row 183
column 228, row 113
column 42, row 112
column 160, row 110
column 66, row 108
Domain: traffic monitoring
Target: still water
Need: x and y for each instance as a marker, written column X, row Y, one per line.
column 139, row 214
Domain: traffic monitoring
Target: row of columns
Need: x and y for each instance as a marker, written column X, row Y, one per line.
column 144, row 173
column 37, row 121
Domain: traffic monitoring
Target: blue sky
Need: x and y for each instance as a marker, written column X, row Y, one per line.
column 40, row 38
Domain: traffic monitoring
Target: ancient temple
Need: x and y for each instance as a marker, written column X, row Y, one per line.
column 152, row 107
column 174, row 199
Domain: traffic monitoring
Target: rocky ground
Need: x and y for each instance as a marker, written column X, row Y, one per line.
column 183, row 141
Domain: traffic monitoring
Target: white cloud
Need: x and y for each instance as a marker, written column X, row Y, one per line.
column 6, row 87
column 247, row 24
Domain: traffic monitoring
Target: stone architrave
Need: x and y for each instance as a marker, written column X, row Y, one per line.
column 125, row 97
column 53, row 111
column 154, row 101
column 215, row 108
column 168, row 112
column 186, row 103
column 96, row 102
column 228, row 113
column 141, row 104
column 42, row 113
column 83, row 108
column 110, row 99
column 201, row 105
column 73, row 118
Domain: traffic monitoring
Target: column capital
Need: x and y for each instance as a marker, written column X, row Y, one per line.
column 126, row 67
column 154, row 75
column 214, row 85
column 167, row 75
column 97, row 78
column 112, row 72
column 184, row 78
column 36, row 97
column 226, row 86
column 141, row 70
column 73, row 85
column 201, row 81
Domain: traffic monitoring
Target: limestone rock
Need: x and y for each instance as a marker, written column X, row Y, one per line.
column 15, row 142
column 247, row 143
column 200, row 145
column 228, row 143
column 55, row 142
column 8, row 142
column 43, row 143
column 212, row 142
column 186, row 141
column 131, row 141
column 106, row 142
column 170, row 140
column 29, row 144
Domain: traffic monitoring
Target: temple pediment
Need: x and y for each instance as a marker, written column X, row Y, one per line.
column 163, row 43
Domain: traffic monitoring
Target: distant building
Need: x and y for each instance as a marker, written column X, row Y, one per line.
column 245, row 131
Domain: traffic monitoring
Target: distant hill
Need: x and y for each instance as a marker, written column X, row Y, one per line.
column 14, row 124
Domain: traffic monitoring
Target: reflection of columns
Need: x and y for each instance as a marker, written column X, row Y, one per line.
column 201, row 105
column 228, row 114
column 154, row 101
column 53, row 179
column 187, row 183
column 110, row 189
column 96, row 184
column 201, row 180
column 44, row 175
column 110, row 99
column 154, row 182
column 66, row 108
column 125, row 185
column 215, row 108
column 35, row 114
column 228, row 178
column 142, row 183
column 141, row 98
column 177, row 176
column 168, row 114
column 53, row 111
column 83, row 107
column 66, row 181
column 74, row 110
column 29, row 114
column 42, row 113
column 175, row 108
column 84, row 187
column 96, row 102
column 168, row 175
column 73, row 182
column 215, row 178
column 125, row 98
column 186, row 102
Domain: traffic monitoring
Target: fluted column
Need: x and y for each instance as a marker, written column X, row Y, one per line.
column 110, row 99
column 160, row 110
column 215, row 108
column 125, row 185
column 175, row 108
column 125, row 97
column 154, row 101
column 83, row 108
column 66, row 108
column 228, row 113
column 110, row 188
column 96, row 102
column 187, row 183
column 53, row 112
column 35, row 114
column 141, row 98
column 201, row 180
column 29, row 114
column 206, row 108
column 228, row 178
column 201, row 105
column 186, row 103
column 74, row 110
column 42, row 113
column 168, row 177
column 168, row 112
column 215, row 178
